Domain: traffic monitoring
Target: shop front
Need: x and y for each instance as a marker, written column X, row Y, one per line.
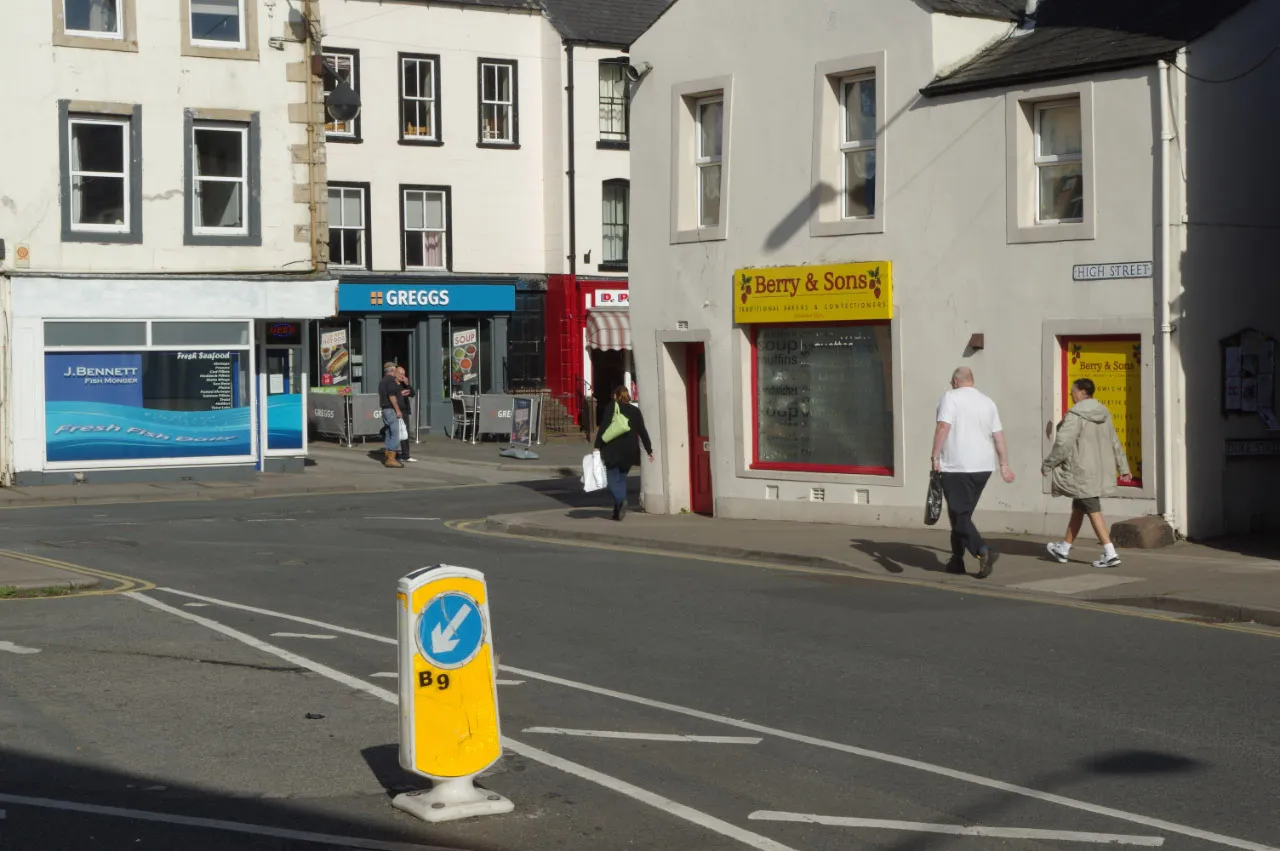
column 589, row 351
column 451, row 337
column 194, row 387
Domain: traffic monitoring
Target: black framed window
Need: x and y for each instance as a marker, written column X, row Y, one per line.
column 101, row 176
column 425, row 225
column 615, row 104
column 342, row 65
column 420, row 99
column 350, row 245
column 616, row 219
column 499, row 103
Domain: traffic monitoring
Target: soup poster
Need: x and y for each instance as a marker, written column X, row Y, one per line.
column 466, row 355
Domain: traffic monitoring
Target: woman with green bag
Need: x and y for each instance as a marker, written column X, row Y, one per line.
column 621, row 433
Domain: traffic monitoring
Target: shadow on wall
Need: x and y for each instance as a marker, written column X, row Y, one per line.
column 1232, row 252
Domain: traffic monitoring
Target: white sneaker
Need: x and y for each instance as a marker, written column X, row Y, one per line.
column 410, row 460
column 1058, row 552
column 1108, row 561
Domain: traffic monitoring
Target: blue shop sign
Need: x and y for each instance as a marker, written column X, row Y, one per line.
column 426, row 298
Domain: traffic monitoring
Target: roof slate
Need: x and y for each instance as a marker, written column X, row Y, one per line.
column 1074, row 37
column 614, row 23
column 1000, row 10
column 521, row 5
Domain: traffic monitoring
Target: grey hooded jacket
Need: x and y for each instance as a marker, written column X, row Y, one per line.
column 1087, row 454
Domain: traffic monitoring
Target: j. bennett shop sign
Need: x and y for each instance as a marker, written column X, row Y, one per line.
column 419, row 298
column 831, row 293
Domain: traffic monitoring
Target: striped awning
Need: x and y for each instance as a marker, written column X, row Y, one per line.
column 609, row 330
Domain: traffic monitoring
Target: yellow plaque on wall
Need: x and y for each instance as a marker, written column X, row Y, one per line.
column 840, row 292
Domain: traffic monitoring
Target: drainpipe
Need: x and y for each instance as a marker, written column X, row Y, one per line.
column 572, row 173
column 1167, row 501
column 313, row 49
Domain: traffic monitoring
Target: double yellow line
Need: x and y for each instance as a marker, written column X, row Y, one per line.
column 121, row 584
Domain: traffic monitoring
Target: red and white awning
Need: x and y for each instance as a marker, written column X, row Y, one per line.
column 609, row 330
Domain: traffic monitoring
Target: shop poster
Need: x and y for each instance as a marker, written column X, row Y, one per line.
column 522, row 422
column 1115, row 367
column 131, row 406
column 335, row 358
column 465, row 360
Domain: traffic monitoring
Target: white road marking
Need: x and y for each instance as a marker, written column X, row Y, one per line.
column 510, row 682
column 402, row 518
column 195, row 605
column 754, row 840
column 272, row 520
column 1076, row 584
column 385, row 675
column 216, row 824
column 647, row 737
column 960, row 830
column 303, row 635
column 905, row 762
column 10, row 647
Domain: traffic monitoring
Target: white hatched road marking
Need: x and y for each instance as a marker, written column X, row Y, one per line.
column 1076, row 584
column 402, row 518
column 961, row 830
column 905, row 762
column 647, row 737
column 303, row 635
column 10, row 647
column 754, row 840
column 215, row 824
column 510, row 682
column 385, row 675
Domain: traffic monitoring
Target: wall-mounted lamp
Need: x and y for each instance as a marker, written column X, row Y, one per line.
column 343, row 103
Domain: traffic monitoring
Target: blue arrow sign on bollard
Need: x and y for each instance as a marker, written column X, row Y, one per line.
column 451, row 630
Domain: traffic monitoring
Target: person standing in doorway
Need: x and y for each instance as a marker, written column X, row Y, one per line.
column 406, row 407
column 1083, row 463
column 621, row 433
column 389, row 401
column 967, row 444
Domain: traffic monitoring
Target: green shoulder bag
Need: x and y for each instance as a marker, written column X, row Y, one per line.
column 618, row 426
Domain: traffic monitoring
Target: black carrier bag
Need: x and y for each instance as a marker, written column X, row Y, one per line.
column 933, row 501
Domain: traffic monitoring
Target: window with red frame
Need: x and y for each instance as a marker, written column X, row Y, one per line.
column 823, row 398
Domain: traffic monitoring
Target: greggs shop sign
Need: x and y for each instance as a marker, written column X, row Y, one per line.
column 842, row 292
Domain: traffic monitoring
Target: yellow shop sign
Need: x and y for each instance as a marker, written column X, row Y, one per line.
column 841, row 292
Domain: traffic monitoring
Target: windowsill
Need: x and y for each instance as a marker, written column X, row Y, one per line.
column 611, row 145
column 343, row 140
column 612, row 267
column 238, row 53
column 104, row 237
column 501, row 146
column 712, row 234
column 424, row 143
column 1074, row 231
column 847, row 227
column 70, row 39
column 222, row 240
column 417, row 270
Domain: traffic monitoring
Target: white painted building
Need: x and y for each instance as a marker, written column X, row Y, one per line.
column 471, row 170
column 157, row 212
column 1038, row 198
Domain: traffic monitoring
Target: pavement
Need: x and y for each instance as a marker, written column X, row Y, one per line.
column 1197, row 580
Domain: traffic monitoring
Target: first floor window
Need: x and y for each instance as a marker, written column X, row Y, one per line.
column 217, row 23
column 615, row 216
column 824, row 398
column 220, row 162
column 425, row 228
column 95, row 18
column 99, row 174
column 497, row 102
column 858, row 146
column 708, row 155
column 341, row 69
column 347, row 227
column 419, row 94
column 1059, row 166
column 613, row 101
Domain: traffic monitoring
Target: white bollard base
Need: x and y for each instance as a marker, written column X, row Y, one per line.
column 451, row 800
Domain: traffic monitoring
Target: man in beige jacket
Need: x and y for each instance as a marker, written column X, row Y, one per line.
column 1083, row 463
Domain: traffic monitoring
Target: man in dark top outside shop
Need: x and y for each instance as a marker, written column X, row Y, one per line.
column 406, row 408
column 389, row 399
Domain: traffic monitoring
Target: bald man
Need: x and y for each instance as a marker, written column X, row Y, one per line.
column 967, row 443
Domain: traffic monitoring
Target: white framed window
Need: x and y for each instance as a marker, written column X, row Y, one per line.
column 348, row 226
column 217, row 23
column 425, row 217
column 220, row 178
column 858, row 146
column 708, row 157
column 614, row 102
column 419, row 98
column 98, row 174
column 1059, row 162
column 616, row 220
column 498, row 102
column 343, row 66
column 93, row 18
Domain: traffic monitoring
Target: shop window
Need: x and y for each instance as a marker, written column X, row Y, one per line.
column 100, row 24
column 101, row 187
column 420, row 98
column 199, row 334
column 424, row 213
column 499, row 119
column 615, row 104
column 342, row 66
column 823, row 398
column 616, row 222
column 106, row 334
column 222, row 178
column 349, row 226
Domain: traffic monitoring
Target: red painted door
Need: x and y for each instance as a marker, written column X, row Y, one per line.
column 699, row 433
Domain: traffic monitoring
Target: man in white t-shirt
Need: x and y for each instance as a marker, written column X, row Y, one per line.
column 967, row 443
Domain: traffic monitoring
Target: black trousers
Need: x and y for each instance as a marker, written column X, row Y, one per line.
column 963, row 490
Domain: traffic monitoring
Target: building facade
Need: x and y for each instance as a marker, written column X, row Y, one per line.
column 162, row 216
column 819, row 243
column 485, row 176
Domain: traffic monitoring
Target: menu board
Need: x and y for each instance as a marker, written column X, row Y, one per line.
column 1114, row 365
column 191, row 381
column 823, row 397
column 335, row 357
column 465, row 359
